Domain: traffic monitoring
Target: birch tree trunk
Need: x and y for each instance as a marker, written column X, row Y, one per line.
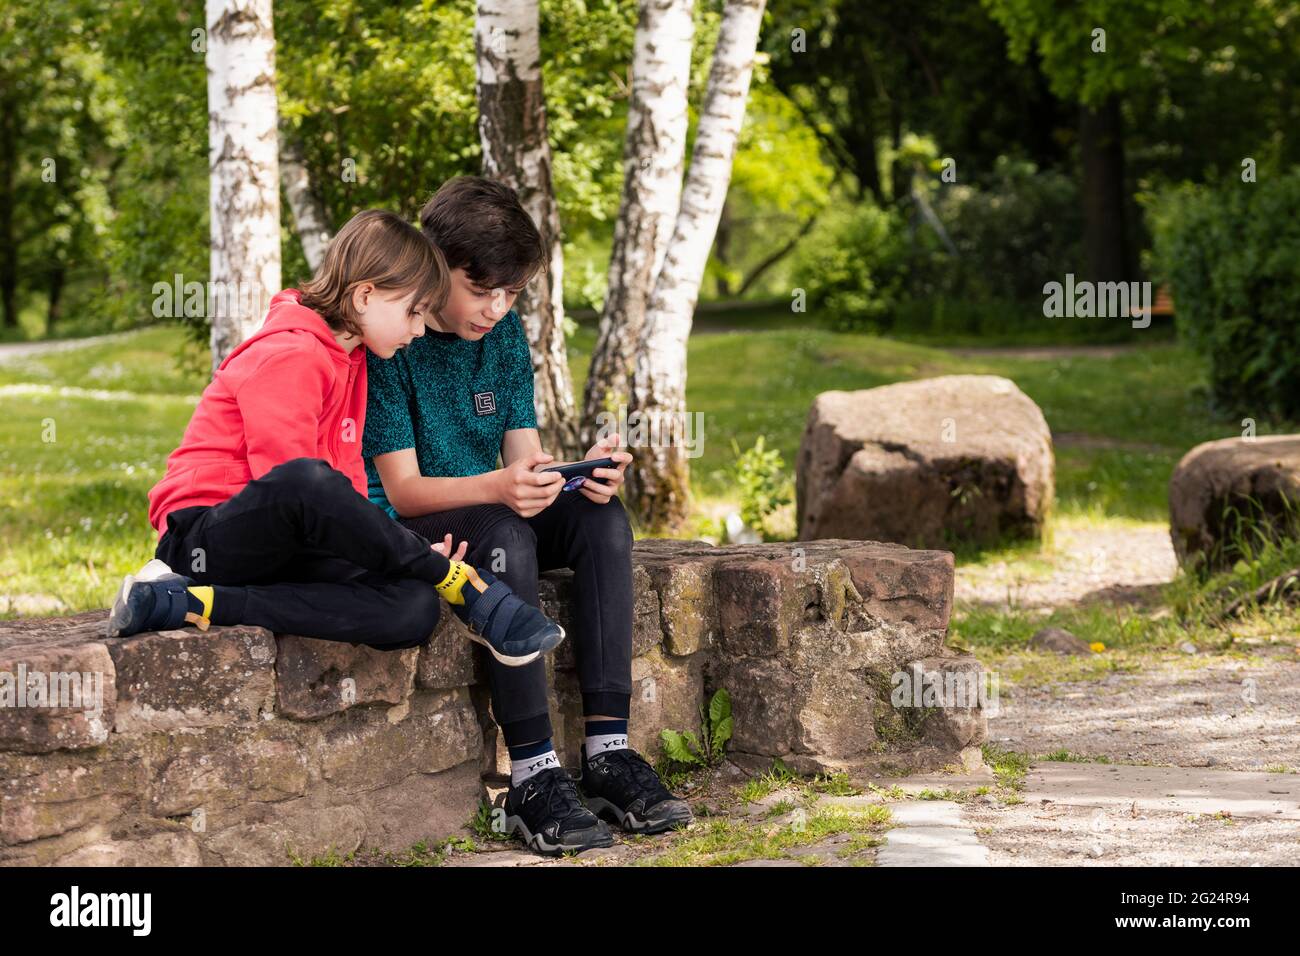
column 654, row 150
column 244, row 178
column 659, row 481
column 512, row 131
column 310, row 220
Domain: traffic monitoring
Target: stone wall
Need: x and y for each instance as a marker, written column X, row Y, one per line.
column 237, row 746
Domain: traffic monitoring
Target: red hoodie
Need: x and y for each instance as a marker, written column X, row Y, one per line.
column 288, row 391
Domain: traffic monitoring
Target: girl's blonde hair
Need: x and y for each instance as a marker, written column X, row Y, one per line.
column 381, row 248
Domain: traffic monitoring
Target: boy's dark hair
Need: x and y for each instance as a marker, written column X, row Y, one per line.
column 480, row 227
column 382, row 248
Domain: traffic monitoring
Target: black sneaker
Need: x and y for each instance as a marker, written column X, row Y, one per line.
column 546, row 811
column 620, row 784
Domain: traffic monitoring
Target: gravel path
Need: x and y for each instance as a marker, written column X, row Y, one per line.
column 1087, row 563
column 1200, row 711
column 1191, row 744
column 20, row 350
column 1071, row 818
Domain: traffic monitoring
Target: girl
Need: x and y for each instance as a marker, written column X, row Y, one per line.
column 264, row 503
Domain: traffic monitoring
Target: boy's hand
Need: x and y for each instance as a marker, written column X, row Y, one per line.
column 601, row 491
column 526, row 491
column 444, row 549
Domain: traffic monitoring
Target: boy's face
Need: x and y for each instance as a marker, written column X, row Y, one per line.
column 472, row 311
column 389, row 320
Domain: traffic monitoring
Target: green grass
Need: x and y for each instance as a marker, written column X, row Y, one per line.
column 421, row 854
column 74, row 508
column 156, row 361
column 726, row 842
column 75, row 469
column 1009, row 767
column 1187, row 615
column 1142, row 410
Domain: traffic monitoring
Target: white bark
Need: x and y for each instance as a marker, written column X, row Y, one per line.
column 244, row 185
column 310, row 220
column 659, row 379
column 516, row 151
column 654, row 151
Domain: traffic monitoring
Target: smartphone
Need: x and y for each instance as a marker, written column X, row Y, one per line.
column 577, row 473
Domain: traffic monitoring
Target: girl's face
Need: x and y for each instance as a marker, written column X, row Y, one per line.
column 389, row 320
column 471, row 310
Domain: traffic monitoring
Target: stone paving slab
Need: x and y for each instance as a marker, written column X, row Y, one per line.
column 930, row 833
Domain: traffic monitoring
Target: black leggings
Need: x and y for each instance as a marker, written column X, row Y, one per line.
column 298, row 551
column 574, row 532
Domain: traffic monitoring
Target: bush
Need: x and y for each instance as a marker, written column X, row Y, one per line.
column 855, row 276
column 1231, row 256
column 759, row 475
column 1012, row 234
column 868, row 270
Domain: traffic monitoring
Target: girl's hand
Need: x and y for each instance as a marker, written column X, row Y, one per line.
column 444, row 549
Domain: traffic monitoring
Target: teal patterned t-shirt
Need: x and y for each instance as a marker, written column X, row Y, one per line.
column 451, row 400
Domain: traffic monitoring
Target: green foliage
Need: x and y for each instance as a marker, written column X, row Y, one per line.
column 870, row 270
column 1014, row 232
column 157, row 88
column 1205, row 83
column 115, row 91
column 1248, row 531
column 873, row 72
column 1257, row 548
column 1009, row 766
column 1139, row 36
column 1231, row 255
column 685, row 748
column 854, row 277
column 484, row 823
column 720, row 723
column 780, row 181
column 57, row 125
column 761, row 483
column 379, row 97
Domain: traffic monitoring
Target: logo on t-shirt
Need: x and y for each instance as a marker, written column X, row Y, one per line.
column 485, row 403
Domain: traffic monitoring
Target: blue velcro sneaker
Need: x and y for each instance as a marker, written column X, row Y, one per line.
column 152, row 599
column 515, row 632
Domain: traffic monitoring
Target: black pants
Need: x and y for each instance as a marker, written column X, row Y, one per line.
column 574, row 532
column 298, row 551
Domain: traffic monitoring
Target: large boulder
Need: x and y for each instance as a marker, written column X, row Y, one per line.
column 1224, row 491
column 930, row 463
column 237, row 746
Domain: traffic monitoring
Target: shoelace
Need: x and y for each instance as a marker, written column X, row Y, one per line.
column 560, row 793
column 628, row 763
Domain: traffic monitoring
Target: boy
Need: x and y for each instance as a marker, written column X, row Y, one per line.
column 263, row 504
column 440, row 414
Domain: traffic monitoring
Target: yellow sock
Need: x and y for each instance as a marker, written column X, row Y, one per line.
column 204, row 594
column 452, row 587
